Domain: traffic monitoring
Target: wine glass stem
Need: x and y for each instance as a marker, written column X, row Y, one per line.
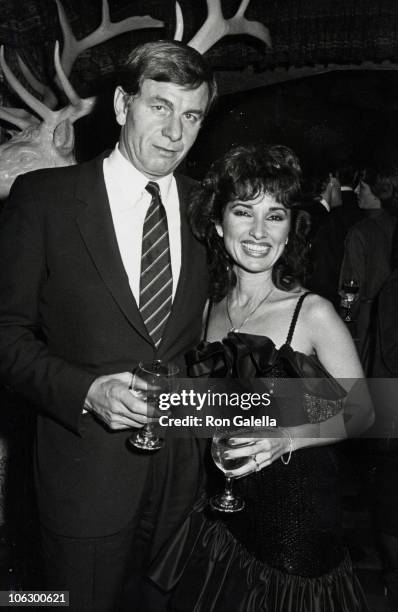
column 228, row 486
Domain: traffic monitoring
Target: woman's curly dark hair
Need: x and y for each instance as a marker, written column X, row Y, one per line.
column 244, row 173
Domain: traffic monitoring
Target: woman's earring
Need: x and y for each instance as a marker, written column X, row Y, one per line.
column 286, row 241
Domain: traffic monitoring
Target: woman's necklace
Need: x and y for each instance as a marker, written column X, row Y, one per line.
column 251, row 313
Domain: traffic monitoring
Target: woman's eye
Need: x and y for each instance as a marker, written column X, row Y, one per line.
column 275, row 218
column 241, row 213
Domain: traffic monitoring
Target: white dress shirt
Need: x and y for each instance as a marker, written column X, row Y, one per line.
column 325, row 204
column 129, row 202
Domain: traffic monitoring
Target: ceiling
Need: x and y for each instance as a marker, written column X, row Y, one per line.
column 308, row 36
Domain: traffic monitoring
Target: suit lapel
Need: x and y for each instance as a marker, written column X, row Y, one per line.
column 97, row 230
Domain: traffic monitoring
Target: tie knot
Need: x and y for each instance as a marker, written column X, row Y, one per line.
column 153, row 188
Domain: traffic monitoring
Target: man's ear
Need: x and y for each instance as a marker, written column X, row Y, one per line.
column 120, row 105
column 219, row 230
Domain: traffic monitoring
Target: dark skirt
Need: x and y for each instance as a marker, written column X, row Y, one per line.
column 208, row 570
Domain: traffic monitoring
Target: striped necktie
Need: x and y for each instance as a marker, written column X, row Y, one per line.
column 156, row 282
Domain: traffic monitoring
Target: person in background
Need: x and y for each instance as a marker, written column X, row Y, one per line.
column 284, row 550
column 384, row 389
column 98, row 263
column 327, row 248
column 320, row 194
column 367, row 251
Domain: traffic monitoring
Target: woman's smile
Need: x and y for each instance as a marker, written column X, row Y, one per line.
column 255, row 249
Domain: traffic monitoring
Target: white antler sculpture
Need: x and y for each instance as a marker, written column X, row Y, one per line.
column 216, row 27
column 49, row 141
column 76, row 108
column 106, row 30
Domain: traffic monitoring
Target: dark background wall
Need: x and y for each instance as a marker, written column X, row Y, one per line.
column 326, row 119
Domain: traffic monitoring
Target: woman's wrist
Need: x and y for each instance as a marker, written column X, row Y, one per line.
column 285, row 457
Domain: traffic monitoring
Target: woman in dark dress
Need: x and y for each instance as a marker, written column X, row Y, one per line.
column 284, row 551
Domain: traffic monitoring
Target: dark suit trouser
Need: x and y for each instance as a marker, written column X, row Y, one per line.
column 93, row 570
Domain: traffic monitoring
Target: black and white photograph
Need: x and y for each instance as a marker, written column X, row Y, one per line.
column 198, row 294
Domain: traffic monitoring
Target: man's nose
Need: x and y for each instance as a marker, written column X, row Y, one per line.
column 173, row 129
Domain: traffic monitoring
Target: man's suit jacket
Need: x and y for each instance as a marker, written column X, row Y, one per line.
column 327, row 248
column 67, row 316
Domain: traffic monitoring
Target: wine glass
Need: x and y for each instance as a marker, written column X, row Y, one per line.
column 350, row 288
column 159, row 378
column 227, row 501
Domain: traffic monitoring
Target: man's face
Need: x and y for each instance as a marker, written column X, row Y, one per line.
column 159, row 124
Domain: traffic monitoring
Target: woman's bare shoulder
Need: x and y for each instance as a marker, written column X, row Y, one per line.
column 319, row 310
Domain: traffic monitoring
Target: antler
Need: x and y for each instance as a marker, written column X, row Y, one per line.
column 179, row 31
column 46, row 93
column 78, row 107
column 72, row 48
column 107, row 29
column 216, row 27
column 38, row 107
column 18, row 117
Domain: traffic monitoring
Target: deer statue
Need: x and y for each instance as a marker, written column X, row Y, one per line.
column 46, row 136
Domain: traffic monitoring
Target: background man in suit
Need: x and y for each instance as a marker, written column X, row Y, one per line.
column 77, row 314
column 327, row 248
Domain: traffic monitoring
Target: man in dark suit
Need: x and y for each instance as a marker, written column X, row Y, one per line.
column 79, row 309
column 327, row 248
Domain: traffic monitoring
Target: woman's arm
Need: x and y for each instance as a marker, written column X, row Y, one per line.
column 335, row 349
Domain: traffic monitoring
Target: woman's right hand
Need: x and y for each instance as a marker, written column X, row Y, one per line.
column 265, row 447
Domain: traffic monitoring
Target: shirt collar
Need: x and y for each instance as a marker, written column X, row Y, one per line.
column 325, row 204
column 129, row 176
column 346, row 188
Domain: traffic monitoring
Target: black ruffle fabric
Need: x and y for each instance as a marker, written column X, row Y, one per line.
column 210, row 571
column 249, row 356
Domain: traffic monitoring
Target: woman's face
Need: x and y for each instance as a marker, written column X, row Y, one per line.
column 366, row 198
column 255, row 232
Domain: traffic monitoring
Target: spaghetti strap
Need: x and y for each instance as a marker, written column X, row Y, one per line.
column 295, row 317
column 207, row 319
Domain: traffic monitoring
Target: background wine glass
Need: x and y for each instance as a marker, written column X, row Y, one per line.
column 159, row 378
column 227, row 501
column 350, row 289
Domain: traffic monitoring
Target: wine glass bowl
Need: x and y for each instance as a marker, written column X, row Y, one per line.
column 350, row 289
column 227, row 501
column 159, row 378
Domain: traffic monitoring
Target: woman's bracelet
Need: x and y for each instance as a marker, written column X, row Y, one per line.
column 289, row 435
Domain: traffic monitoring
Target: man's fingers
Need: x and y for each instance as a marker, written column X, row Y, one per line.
column 119, row 421
column 139, row 402
column 123, row 377
column 111, row 400
column 142, row 385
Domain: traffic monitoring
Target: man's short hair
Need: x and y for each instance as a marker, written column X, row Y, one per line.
column 170, row 62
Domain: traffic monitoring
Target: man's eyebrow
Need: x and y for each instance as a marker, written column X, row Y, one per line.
column 170, row 105
column 195, row 111
column 162, row 101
